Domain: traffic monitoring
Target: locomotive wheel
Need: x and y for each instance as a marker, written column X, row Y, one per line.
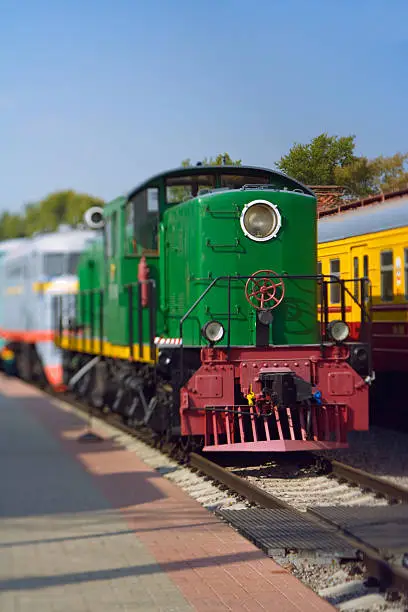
column 98, row 390
column 159, row 412
column 83, row 386
column 133, row 411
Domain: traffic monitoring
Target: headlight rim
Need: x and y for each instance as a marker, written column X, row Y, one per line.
column 275, row 211
column 204, row 328
column 330, row 327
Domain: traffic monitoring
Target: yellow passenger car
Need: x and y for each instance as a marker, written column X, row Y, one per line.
column 371, row 241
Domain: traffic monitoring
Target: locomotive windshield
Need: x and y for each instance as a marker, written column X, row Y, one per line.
column 73, row 259
column 236, row 181
column 184, row 186
column 57, row 264
column 54, row 264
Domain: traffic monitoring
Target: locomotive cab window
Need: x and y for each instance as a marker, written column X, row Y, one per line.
column 72, row 263
column 334, row 286
column 110, row 235
column 13, row 270
column 236, row 181
column 182, row 188
column 54, row 264
column 387, row 276
column 142, row 221
column 57, row 264
column 129, row 218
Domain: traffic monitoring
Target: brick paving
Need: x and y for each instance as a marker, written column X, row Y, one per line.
column 90, row 527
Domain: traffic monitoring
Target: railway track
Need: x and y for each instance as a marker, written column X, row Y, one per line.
column 387, row 574
column 367, row 481
column 336, row 469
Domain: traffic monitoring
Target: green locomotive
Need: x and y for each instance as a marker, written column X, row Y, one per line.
column 197, row 316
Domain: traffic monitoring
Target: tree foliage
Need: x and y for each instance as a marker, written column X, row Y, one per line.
column 315, row 163
column 63, row 207
column 68, row 207
column 326, row 160
column 219, row 160
column 392, row 172
column 365, row 176
column 331, row 160
column 11, row 226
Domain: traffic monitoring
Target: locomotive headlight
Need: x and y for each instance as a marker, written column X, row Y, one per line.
column 213, row 331
column 339, row 331
column 260, row 220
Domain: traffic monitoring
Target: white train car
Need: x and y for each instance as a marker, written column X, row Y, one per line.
column 36, row 270
column 6, row 247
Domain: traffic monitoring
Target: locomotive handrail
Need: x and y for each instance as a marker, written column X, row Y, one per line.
column 333, row 279
column 85, row 303
column 151, row 301
column 80, row 303
column 364, row 280
column 321, row 277
column 365, row 318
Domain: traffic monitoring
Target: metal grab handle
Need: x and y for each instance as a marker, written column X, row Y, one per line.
column 223, row 246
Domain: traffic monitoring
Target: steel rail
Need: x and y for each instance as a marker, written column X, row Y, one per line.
column 368, row 481
column 235, row 483
column 339, row 470
column 388, row 575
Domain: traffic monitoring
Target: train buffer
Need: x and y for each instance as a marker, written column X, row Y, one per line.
column 89, row 527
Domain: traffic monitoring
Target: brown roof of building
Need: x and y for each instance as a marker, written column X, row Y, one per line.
column 332, row 199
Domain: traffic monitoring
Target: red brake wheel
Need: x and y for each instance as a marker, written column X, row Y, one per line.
column 264, row 292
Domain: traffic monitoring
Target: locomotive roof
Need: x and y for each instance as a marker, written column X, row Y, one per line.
column 8, row 245
column 57, row 242
column 365, row 220
column 199, row 170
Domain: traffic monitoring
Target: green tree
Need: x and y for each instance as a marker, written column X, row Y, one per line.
column 64, row 207
column 360, row 178
column 11, row 226
column 55, row 209
column 316, row 163
column 392, row 172
column 330, row 160
column 369, row 176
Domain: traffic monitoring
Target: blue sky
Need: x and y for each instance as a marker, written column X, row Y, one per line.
column 97, row 95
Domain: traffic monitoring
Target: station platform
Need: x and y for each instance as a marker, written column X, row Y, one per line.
column 89, row 527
